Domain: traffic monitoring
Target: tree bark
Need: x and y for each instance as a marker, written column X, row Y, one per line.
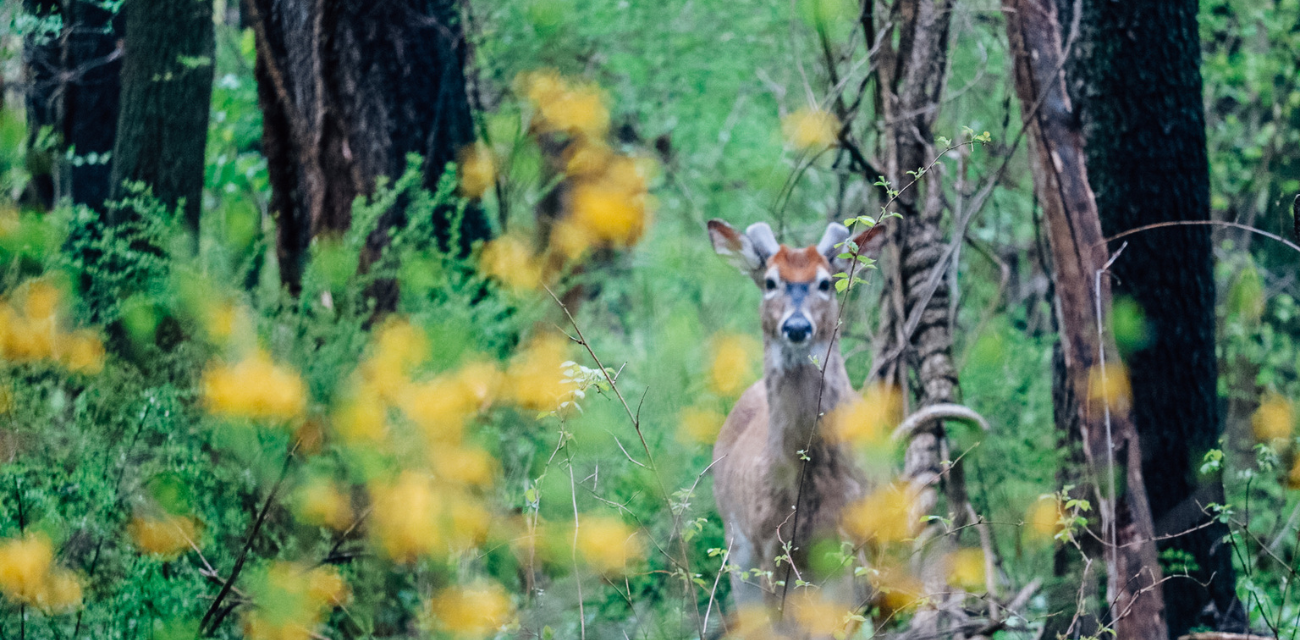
column 347, row 90
column 1110, row 442
column 1144, row 123
column 911, row 79
column 87, row 113
column 42, row 61
column 166, row 94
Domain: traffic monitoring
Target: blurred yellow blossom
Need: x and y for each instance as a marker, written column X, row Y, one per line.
column 1108, row 386
column 896, row 589
column 868, row 419
column 966, row 570
column 535, row 379
column 164, row 534
column 577, row 110
column 318, row 502
column 463, row 466
column 811, row 129
column 82, row 352
column 465, row 519
column 1044, row 518
column 439, row 407
column 699, row 426
column 477, row 169
column 885, row 515
column 254, row 388
column 404, row 520
column 473, row 611
column 509, row 260
column 1274, row 419
column 361, row 417
column 40, row 300
column 732, row 368
column 610, row 214
column 821, row 616
column 397, row 349
column 28, row 575
column 606, row 544
column 480, row 380
column 292, row 602
column 588, row 159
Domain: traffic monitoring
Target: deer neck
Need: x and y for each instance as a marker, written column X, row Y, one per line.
column 802, row 385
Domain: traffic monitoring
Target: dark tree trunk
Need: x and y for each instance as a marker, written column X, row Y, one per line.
column 87, row 116
column 1111, row 444
column 166, row 94
column 348, row 89
column 1137, row 72
column 42, row 61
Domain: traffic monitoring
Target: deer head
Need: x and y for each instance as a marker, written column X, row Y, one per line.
column 799, row 308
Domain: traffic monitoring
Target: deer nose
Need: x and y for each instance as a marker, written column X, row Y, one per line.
column 797, row 328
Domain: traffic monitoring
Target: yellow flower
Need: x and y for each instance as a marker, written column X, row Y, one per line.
column 699, row 426
column 25, row 566
column 819, row 616
column 896, row 589
column 254, row 388
column 885, row 515
column 473, row 611
column 167, row 535
column 535, row 379
column 606, row 544
column 28, row 575
column 361, row 417
column 509, row 260
column 811, row 129
column 1108, row 387
column 466, row 520
column 966, row 570
column 398, row 348
column 40, row 301
column 404, row 520
column 481, row 381
column 468, row 467
column 292, row 602
column 477, row 170
column 82, row 352
column 1274, row 419
column 732, row 368
column 610, row 214
column 561, row 107
column 1044, row 518
column 319, row 502
column 439, row 407
column 588, row 159
column 867, row 420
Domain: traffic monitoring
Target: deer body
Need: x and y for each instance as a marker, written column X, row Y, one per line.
column 771, row 442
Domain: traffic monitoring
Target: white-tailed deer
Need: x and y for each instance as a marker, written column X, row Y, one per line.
column 773, row 430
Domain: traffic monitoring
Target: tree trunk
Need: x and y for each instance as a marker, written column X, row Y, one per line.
column 1110, row 442
column 166, row 94
column 1138, row 70
column 42, row 61
column 911, row 80
column 87, row 114
column 347, row 90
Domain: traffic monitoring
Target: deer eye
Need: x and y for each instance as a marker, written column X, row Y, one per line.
column 824, row 285
column 771, row 284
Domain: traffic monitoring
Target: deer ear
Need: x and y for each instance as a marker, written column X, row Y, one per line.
column 868, row 242
column 738, row 248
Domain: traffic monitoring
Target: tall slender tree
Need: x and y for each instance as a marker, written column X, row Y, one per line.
column 73, row 84
column 166, row 91
column 1136, row 76
column 348, row 89
column 90, row 90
